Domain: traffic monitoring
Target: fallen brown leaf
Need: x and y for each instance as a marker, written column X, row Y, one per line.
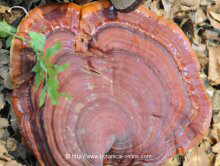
column 214, row 65
column 217, row 160
column 3, row 9
column 216, row 148
column 214, row 15
column 197, row 157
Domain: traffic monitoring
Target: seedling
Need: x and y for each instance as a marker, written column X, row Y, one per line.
column 46, row 73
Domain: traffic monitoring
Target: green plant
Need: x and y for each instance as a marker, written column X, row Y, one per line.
column 46, row 73
column 6, row 30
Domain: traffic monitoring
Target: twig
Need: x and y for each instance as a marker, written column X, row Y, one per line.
column 90, row 70
column 19, row 7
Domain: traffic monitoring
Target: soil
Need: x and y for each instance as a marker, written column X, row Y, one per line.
column 199, row 19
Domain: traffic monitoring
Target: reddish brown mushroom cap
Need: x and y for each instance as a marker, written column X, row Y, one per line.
column 135, row 85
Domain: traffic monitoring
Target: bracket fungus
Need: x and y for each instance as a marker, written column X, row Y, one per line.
column 137, row 95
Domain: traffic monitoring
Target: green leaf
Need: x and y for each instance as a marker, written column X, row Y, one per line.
column 36, row 67
column 38, row 79
column 38, row 41
column 54, row 95
column 53, row 50
column 53, row 83
column 8, row 42
column 52, row 73
column 43, row 96
column 61, row 68
column 44, row 70
column 6, row 29
column 53, row 87
column 43, row 66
